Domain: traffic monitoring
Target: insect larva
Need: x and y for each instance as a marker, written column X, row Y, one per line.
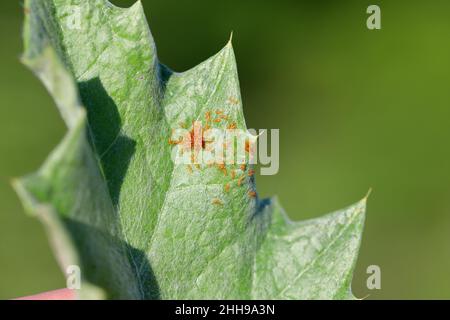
column 172, row 142
column 222, row 168
column 227, row 187
column 251, row 172
column 247, row 146
column 252, row 194
column 241, row 179
column 243, row 167
column 217, row 201
column 232, row 126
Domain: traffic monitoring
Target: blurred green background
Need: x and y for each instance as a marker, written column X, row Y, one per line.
column 357, row 109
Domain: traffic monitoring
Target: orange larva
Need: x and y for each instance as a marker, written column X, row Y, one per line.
column 251, row 173
column 247, row 146
column 232, row 126
column 243, row 167
column 172, row 142
column 241, row 179
column 227, row 187
column 252, row 194
column 222, row 168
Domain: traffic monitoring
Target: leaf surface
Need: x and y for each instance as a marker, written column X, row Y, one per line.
column 113, row 201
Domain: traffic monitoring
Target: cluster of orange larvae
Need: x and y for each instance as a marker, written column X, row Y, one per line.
column 217, row 117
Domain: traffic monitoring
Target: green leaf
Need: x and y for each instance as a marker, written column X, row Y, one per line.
column 114, row 203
